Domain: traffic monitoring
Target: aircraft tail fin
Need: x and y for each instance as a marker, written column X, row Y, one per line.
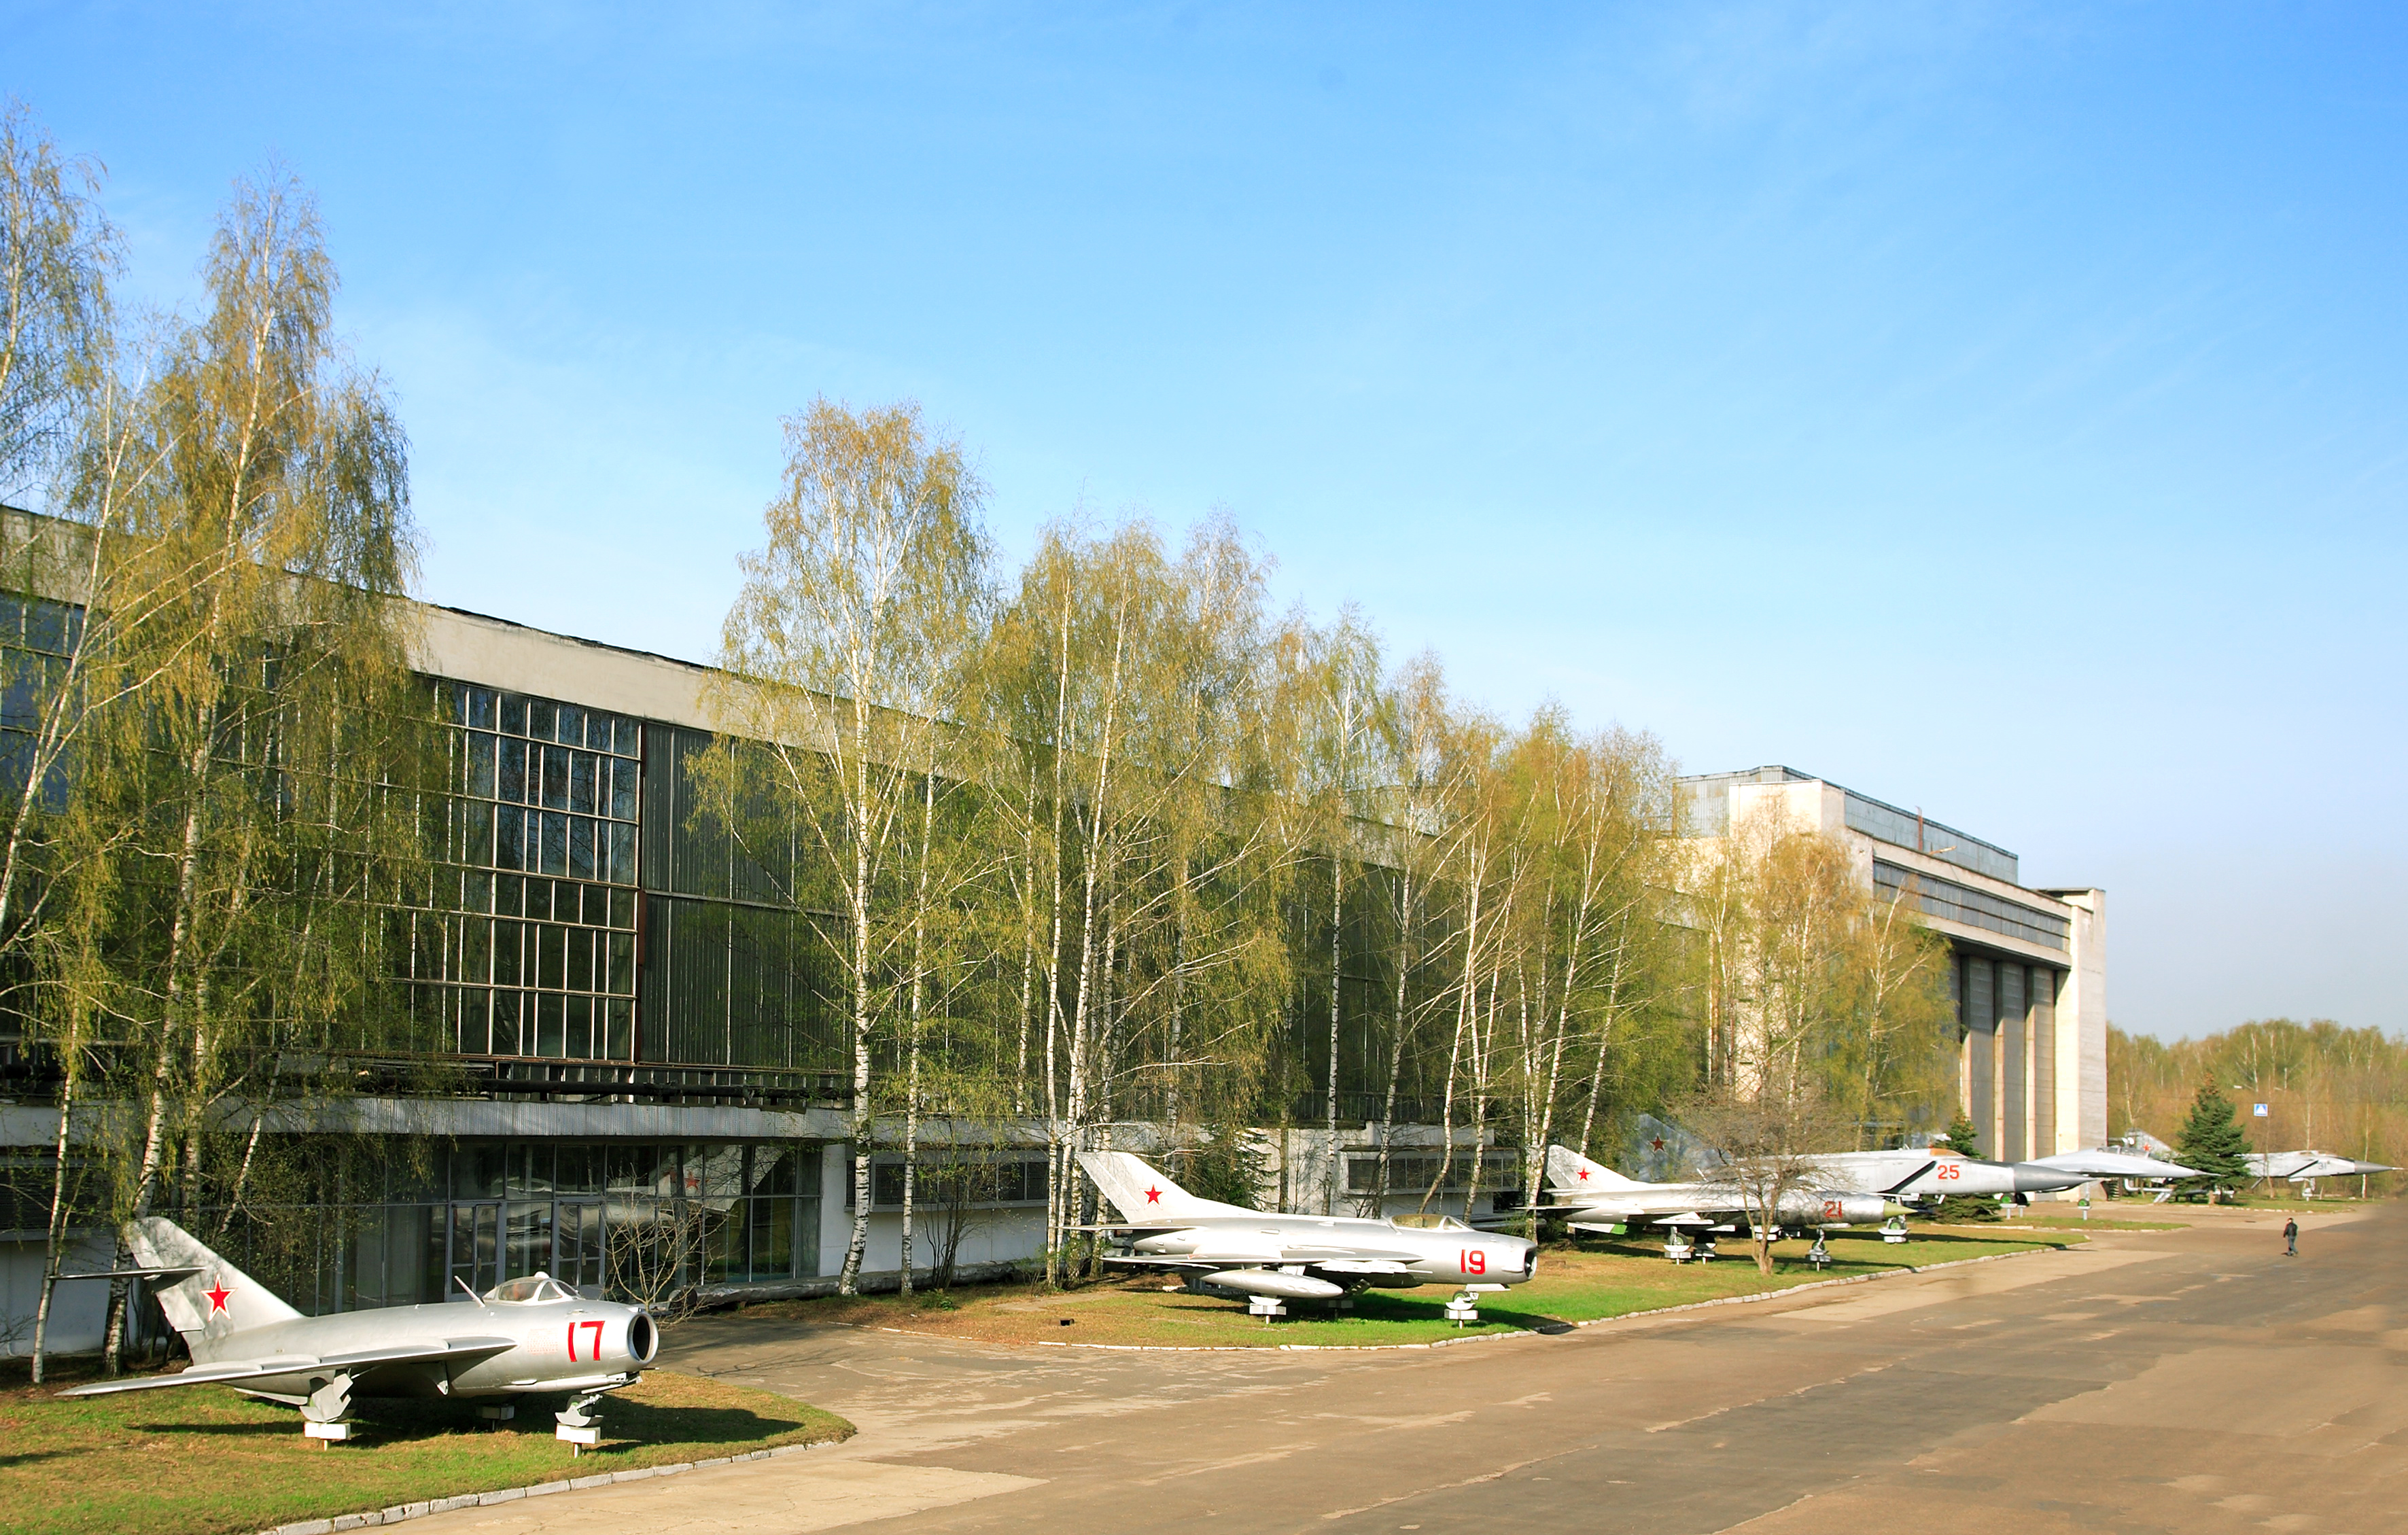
column 206, row 1305
column 1140, row 1193
column 1569, row 1172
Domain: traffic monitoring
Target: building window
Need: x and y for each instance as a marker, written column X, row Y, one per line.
column 525, row 946
column 1954, row 902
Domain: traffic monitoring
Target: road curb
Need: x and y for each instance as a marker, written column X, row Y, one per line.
column 402, row 1513
column 1481, row 1338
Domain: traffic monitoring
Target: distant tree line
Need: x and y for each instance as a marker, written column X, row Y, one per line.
column 2326, row 1087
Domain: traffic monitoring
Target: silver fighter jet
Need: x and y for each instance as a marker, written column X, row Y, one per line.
column 2305, row 1167
column 1271, row 1257
column 524, row 1337
column 1592, row 1196
column 1931, row 1172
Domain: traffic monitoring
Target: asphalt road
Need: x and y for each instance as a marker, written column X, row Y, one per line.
column 2192, row 1380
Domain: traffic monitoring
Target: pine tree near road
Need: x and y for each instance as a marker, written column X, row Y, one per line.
column 2213, row 1141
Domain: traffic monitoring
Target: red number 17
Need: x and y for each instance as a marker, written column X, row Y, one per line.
column 597, row 1340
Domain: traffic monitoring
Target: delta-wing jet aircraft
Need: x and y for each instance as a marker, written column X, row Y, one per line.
column 523, row 1337
column 1594, row 1197
column 1271, row 1256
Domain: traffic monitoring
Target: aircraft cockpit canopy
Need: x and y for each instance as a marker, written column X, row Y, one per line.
column 1427, row 1223
column 529, row 1289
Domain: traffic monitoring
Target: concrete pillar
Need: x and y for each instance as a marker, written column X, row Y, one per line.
column 2081, row 1025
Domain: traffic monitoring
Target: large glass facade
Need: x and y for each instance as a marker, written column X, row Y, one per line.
column 525, row 945
column 401, row 1223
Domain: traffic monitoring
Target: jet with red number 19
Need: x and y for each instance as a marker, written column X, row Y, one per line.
column 524, row 1337
column 1276, row 1256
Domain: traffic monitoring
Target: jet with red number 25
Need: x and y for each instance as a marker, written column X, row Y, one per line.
column 1271, row 1256
column 524, row 1337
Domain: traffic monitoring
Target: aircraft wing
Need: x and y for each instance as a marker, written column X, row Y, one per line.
column 226, row 1371
column 2108, row 1164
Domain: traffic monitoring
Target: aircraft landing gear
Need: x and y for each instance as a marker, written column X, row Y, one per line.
column 1818, row 1255
column 322, row 1414
column 580, row 1427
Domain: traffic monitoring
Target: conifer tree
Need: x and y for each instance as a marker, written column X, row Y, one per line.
column 2213, row 1141
column 1964, row 1138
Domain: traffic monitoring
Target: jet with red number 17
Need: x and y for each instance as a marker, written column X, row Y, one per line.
column 1282, row 1256
column 524, row 1337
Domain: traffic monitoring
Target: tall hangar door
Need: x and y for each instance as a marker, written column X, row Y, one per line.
column 2043, row 1016
column 2014, row 1101
column 1981, row 1048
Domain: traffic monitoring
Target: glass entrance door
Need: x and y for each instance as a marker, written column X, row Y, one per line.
column 577, row 1244
column 476, row 1248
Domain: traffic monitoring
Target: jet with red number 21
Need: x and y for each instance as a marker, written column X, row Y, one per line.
column 524, row 1337
column 1592, row 1196
column 1270, row 1258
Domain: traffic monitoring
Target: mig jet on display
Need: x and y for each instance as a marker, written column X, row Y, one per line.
column 1270, row 1258
column 1592, row 1196
column 2307, row 1166
column 1918, row 1174
column 523, row 1337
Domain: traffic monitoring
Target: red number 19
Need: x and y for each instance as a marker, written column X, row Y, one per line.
column 1475, row 1261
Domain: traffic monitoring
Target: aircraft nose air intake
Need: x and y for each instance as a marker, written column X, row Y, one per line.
column 643, row 1339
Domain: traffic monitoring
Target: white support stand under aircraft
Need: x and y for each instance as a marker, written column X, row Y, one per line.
column 524, row 1337
column 1271, row 1258
column 1592, row 1196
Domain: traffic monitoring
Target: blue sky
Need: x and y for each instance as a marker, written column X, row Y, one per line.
column 1999, row 409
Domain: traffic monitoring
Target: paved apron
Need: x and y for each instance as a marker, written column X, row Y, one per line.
column 2193, row 1381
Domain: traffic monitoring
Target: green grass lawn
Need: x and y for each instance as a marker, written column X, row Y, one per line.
column 203, row 1460
column 1599, row 1278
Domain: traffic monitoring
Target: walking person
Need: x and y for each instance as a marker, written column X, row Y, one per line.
column 2291, row 1238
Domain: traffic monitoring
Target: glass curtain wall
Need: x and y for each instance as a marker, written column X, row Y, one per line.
column 400, row 1224
column 525, row 945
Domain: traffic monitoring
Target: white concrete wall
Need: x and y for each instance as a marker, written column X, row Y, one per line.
column 1011, row 1233
column 78, row 1310
column 2082, row 1028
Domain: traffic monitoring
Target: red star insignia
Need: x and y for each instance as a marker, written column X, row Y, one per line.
column 1584, row 1175
column 1153, row 1195
column 1657, row 1143
column 218, row 1297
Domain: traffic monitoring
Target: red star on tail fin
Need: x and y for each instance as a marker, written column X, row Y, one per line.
column 218, row 1297
column 1153, row 1195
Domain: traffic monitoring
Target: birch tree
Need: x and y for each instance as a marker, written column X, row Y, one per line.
column 244, row 801
column 843, row 650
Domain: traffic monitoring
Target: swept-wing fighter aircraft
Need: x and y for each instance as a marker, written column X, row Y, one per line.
column 1271, row 1257
column 1595, row 1198
column 523, row 1337
column 2304, row 1167
column 1926, row 1174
